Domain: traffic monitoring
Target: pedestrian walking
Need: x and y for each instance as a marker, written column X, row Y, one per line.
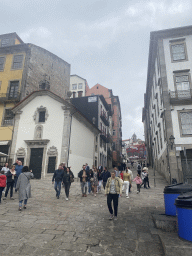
column 18, row 170
column 105, row 175
column 68, row 178
column 146, row 177
column 99, row 174
column 113, row 189
column 139, row 169
column 89, row 178
column 5, row 168
column 127, row 181
column 138, row 182
column 3, row 179
column 10, row 182
column 58, row 178
column 24, row 186
column 131, row 174
column 83, row 175
column 95, row 181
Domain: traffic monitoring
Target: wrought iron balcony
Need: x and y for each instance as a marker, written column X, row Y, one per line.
column 103, row 117
column 8, row 122
column 103, row 135
column 7, row 97
column 180, row 96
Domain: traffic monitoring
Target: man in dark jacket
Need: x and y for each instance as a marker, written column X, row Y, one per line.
column 83, row 175
column 58, row 177
column 105, row 175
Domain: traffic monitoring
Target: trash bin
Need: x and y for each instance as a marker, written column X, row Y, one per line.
column 184, row 215
column 171, row 193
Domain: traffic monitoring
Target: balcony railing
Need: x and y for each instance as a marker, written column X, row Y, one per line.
column 104, row 118
column 7, row 97
column 103, row 135
column 8, row 122
column 180, row 96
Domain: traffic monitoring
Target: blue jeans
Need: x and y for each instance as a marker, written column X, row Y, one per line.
column 58, row 187
column 89, row 187
column 20, row 202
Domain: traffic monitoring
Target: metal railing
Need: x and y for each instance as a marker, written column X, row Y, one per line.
column 181, row 94
column 8, row 97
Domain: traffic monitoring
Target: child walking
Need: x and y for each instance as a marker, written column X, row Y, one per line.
column 138, row 182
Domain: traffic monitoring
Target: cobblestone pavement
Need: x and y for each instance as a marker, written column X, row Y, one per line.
column 80, row 226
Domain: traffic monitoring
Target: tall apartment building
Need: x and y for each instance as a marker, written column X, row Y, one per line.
column 23, row 68
column 167, row 112
column 96, row 110
column 115, row 133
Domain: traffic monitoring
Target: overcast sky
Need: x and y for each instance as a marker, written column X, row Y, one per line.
column 105, row 41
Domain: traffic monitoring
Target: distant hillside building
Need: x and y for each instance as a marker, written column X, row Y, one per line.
column 25, row 68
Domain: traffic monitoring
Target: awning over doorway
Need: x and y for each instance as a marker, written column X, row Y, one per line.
column 4, row 142
column 3, row 154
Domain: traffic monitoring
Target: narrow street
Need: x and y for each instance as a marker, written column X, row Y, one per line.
column 80, row 226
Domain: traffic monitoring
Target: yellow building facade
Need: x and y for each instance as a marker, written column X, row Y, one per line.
column 11, row 72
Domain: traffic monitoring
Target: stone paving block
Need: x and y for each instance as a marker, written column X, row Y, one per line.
column 3, row 247
column 65, row 239
column 73, row 247
column 96, row 249
column 89, row 241
column 52, row 232
column 145, row 236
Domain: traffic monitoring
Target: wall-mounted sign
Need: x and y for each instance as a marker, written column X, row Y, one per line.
column 92, row 99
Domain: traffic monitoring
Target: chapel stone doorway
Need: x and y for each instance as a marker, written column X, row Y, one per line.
column 36, row 162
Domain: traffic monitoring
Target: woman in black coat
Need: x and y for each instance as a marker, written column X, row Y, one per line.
column 68, row 177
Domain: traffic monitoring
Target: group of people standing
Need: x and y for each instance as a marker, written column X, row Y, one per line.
column 17, row 176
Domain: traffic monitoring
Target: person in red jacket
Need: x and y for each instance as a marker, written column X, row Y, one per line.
column 3, row 179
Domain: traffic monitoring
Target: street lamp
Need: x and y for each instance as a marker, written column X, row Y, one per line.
column 171, row 139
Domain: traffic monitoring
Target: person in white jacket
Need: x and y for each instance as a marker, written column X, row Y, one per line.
column 131, row 173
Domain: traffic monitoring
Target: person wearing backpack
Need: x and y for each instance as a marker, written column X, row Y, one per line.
column 112, row 190
column 139, row 169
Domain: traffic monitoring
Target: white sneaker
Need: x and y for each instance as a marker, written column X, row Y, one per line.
column 137, row 192
column 67, row 199
column 127, row 196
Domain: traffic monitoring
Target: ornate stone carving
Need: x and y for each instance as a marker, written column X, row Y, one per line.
column 21, row 152
column 36, row 142
column 36, row 114
column 52, row 151
column 38, row 132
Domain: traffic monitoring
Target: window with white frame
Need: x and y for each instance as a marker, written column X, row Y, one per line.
column 80, row 86
column 186, row 123
column 182, row 84
column 114, row 132
column 178, row 51
column 74, row 86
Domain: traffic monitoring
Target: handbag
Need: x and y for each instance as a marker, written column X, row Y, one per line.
column 71, row 179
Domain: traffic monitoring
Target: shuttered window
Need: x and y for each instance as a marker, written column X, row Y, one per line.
column 17, row 62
